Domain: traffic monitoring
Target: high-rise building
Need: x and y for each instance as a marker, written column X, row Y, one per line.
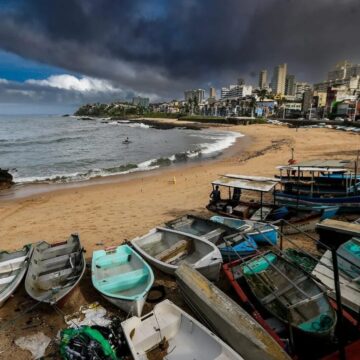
column 341, row 71
column 279, row 79
column 263, row 79
column 198, row 94
column 241, row 82
column 290, row 85
column 141, row 101
column 300, row 88
column 236, row 91
column 212, row 93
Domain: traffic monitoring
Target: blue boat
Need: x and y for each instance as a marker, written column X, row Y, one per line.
column 122, row 277
column 261, row 233
column 240, row 246
column 317, row 183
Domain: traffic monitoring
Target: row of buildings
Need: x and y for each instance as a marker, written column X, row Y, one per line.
column 281, row 95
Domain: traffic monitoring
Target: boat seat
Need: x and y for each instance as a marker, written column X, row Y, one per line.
column 110, row 261
column 48, row 281
column 277, row 293
column 174, row 252
column 256, row 216
column 123, row 282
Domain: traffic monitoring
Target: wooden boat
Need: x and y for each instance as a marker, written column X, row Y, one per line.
column 226, row 318
column 349, row 280
column 261, row 233
column 122, row 277
column 290, row 294
column 13, row 267
column 170, row 333
column 166, row 249
column 230, row 241
column 55, row 269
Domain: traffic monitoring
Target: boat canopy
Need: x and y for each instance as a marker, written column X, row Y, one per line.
column 254, row 183
column 320, row 165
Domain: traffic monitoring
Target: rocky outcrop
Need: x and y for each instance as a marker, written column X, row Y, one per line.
column 6, row 179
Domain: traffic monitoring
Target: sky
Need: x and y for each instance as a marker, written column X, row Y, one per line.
column 56, row 55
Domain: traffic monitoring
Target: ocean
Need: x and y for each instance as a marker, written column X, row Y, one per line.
column 55, row 149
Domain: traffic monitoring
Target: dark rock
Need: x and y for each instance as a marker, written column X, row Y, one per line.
column 6, row 179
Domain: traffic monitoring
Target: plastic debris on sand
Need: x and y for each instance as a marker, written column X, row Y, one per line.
column 36, row 344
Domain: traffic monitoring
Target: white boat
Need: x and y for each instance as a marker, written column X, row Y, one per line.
column 226, row 318
column 170, row 333
column 349, row 287
column 55, row 270
column 122, row 277
column 13, row 267
column 166, row 249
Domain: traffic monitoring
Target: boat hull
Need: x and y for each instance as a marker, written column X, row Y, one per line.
column 133, row 307
column 350, row 203
column 12, row 281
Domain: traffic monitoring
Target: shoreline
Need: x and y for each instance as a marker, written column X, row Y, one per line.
column 130, row 205
column 27, row 190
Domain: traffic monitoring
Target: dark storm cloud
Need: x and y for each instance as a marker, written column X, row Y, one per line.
column 162, row 47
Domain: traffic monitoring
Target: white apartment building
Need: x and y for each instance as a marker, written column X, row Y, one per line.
column 236, row 91
column 279, row 79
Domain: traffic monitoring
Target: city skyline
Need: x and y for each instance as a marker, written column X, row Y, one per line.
column 70, row 52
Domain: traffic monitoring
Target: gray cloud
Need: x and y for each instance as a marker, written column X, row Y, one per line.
column 162, row 47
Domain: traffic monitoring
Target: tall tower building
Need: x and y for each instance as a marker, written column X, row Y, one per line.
column 279, row 79
column 212, row 93
column 263, row 79
column 241, row 82
column 290, row 85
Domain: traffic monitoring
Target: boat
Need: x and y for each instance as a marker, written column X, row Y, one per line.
column 55, row 270
column 349, row 278
column 317, row 183
column 349, row 258
column 226, row 318
column 13, row 267
column 166, row 249
column 290, row 294
column 231, row 242
column 296, row 215
column 261, row 233
column 170, row 333
column 122, row 277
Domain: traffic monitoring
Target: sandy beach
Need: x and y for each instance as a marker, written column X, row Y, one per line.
column 106, row 214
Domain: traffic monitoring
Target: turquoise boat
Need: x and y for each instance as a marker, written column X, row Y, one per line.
column 349, row 258
column 122, row 277
column 290, row 294
column 261, row 233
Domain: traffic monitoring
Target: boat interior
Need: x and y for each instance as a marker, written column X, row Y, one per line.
column 55, row 266
column 295, row 297
column 166, row 333
column 172, row 248
column 11, row 265
column 120, row 272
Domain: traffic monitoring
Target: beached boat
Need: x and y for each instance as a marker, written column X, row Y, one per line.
column 226, row 318
column 55, row 269
column 231, row 242
column 170, row 333
column 166, row 249
column 13, row 266
column 122, row 277
column 349, row 258
column 290, row 294
column 317, row 183
column 261, row 233
column 349, row 274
